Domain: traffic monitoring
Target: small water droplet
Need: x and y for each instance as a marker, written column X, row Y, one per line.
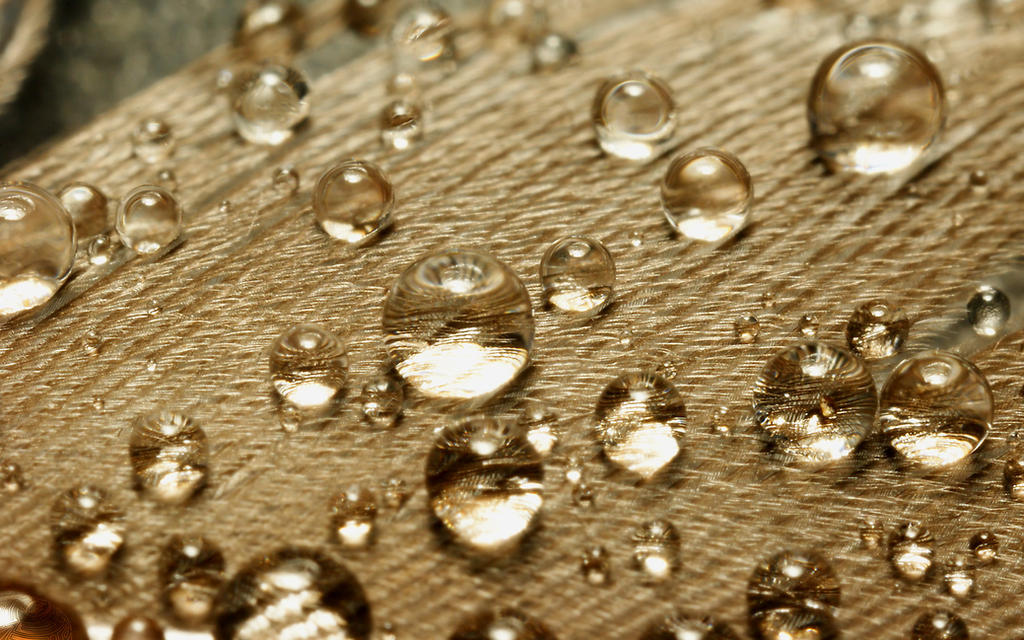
column 641, row 421
column 11, row 478
column 101, row 249
column 268, row 103
column 634, row 116
column 583, row 495
column 985, row 547
column 1013, row 474
column 422, row 41
column 552, row 51
column 386, row 630
column 271, row 28
column 353, row 202
column 636, row 238
column 149, row 219
column 458, row 324
column 875, row 107
column 706, row 195
column 512, row 22
column 911, row 551
column 225, row 206
column 368, row 17
column 485, row 483
column 793, row 594
column 939, row 625
column 137, row 627
column 93, row 342
column 817, row 402
column 501, row 624
column 37, row 246
column 935, row 409
column 353, row 518
column 168, row 455
column 789, row 622
column 872, row 534
column 153, row 141
column 656, row 550
column 877, row 330
column 978, row 179
column 88, row 207
column 87, row 530
column 401, row 124
column 807, row 326
column 541, row 426
column 747, row 329
column 308, row 367
column 769, row 300
column 595, row 566
column 680, row 626
column 958, row 577
column 382, row 401
column 988, row 310
column 167, row 179
column 29, row 615
column 574, row 468
column 285, row 181
column 577, row 275
column 394, row 494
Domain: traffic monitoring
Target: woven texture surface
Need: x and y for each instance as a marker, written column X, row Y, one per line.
column 509, row 165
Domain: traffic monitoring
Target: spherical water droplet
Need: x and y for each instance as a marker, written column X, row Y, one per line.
column 641, row 421
column 394, row 494
column 656, row 550
column 293, row 593
column 168, row 455
column 574, row 468
column 541, row 427
column 877, row 330
column 634, row 116
column 401, row 124
column 11, row 478
column 37, row 246
column 167, row 179
column 87, row 206
column 368, row 17
column 285, row 182
column 153, row 141
column 552, row 51
column 985, row 547
column 911, row 551
column 939, row 625
column 87, row 530
column 577, row 275
column 595, row 566
column 935, row 409
column 149, row 219
column 137, row 628
column 817, row 402
column 872, row 533
column 382, row 401
column 958, row 578
column 101, row 249
column 875, row 106
column 268, row 103
column 807, row 326
column 353, row 202
column 29, row 615
column 679, row 626
column 747, row 330
column 485, row 483
column 1013, row 474
column 636, row 238
column 225, row 206
column 978, row 179
column 583, row 495
column 801, row 578
column 353, row 516
column 988, row 310
column 422, row 41
column 308, row 367
column 271, row 28
column 458, row 324
column 706, row 195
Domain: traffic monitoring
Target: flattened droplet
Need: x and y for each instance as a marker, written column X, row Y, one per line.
column 26, row 614
column 577, row 275
column 192, row 572
column 87, row 530
column 501, row 624
column 169, row 456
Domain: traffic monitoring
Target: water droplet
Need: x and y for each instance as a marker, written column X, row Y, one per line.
column 935, row 409
column 167, row 179
column 153, row 141
column 577, row 275
column 225, row 206
column 636, row 238
column 395, row 493
column 807, row 326
column 29, row 615
column 747, row 330
column 485, row 483
column 101, row 249
column 382, row 401
column 149, row 219
column 293, row 593
column 595, row 566
column 787, row 623
column 386, row 631
column 11, row 478
column 552, row 51
column 679, row 626
column 875, row 107
column 422, row 41
column 511, row 22
column 37, row 246
column 401, row 124
column 634, row 116
column 168, row 454
column 137, row 628
column 353, row 515
column 911, row 551
column 817, row 402
column 87, row 530
column 706, row 195
column 225, row 80
column 1013, row 474
column 308, row 367
column 458, row 324
column 656, row 550
column 268, row 103
column 877, row 330
column 988, row 310
column 285, row 182
column 939, row 625
column 368, row 17
column 541, row 426
column 93, row 342
column 978, row 179
column 353, row 202
column 87, row 206
column 574, row 470
column 985, row 547
column 793, row 578
column 583, row 495
column 769, row 300
column 872, row 534
column 271, row 28
column 958, row 578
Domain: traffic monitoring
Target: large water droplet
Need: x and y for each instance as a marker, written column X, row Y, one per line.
column 641, row 421
column 552, row 51
column 422, row 41
column 988, row 310
column 634, row 116
column 353, row 201
column 595, row 566
column 485, row 483
column 911, row 551
column 656, row 550
column 501, row 624
column 935, row 408
column 401, row 124
column 875, row 106
column 353, row 517
column 87, row 530
column 296, row 594
column 153, row 141
column 192, row 571
column 958, row 577
column 577, row 275
column 680, row 626
column 268, row 103
column 816, row 401
column 382, row 401
column 308, row 367
column 706, row 195
column 137, row 628
column 271, row 28
column 793, row 594
column 28, row 615
column 939, row 625
column 37, row 246
column 88, row 208
column 876, row 329
column 168, row 454
column 149, row 219
column 985, row 547
column 458, row 324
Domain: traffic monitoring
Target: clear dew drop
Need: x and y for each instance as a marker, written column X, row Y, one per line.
column 793, row 594
column 308, row 367
column 583, row 495
column 37, row 247
column 706, row 195
column 169, row 455
column 577, row 275
column 871, row 533
column 88, row 531
column 382, row 401
column 12, row 480
column 88, row 208
column 911, row 551
column 270, row 29
column 423, row 41
column 681, row 626
column 747, row 329
column 987, row 311
column 167, row 179
column 807, row 326
column 595, row 565
column 501, row 624
column 876, row 330
column 30, row 615
column 958, row 577
column 939, row 625
column 153, row 141
column 293, row 593
column 458, row 324
column 552, row 51
column 137, row 627
column 1013, row 474
column 285, row 182
column 401, row 124
column 353, row 202
column 636, row 238
column 656, row 550
column 353, row 518
column 935, row 409
column 101, row 249
column 485, row 483
column 541, row 426
column 149, row 219
column 394, row 493
column 225, row 206
column 641, row 421
column 192, row 573
column 985, row 547
column 268, row 103
column 875, row 106
column 978, row 180
column 634, row 116
column 816, row 402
